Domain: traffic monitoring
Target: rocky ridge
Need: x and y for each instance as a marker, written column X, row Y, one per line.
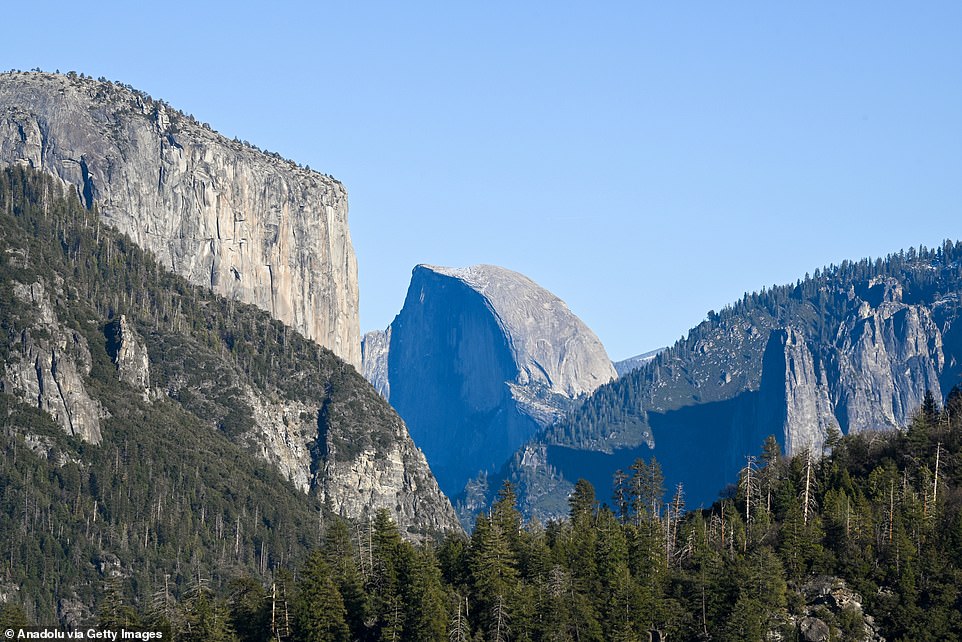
column 246, row 224
column 625, row 366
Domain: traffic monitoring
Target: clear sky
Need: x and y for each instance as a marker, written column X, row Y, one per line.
column 645, row 163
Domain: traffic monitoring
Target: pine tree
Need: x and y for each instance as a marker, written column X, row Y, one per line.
column 319, row 613
column 424, row 600
column 204, row 618
column 249, row 610
column 494, row 572
column 339, row 552
column 114, row 613
column 386, row 603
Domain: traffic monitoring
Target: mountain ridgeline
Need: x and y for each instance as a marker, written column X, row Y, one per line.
column 154, row 431
column 852, row 348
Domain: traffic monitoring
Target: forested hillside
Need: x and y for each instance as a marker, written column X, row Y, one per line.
column 177, row 477
column 862, row 542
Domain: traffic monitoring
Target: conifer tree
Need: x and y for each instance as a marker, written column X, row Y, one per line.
column 319, row 613
column 249, row 610
column 339, row 552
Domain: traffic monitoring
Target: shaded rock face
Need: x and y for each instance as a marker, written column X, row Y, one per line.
column 479, row 359
column 47, row 366
column 249, row 225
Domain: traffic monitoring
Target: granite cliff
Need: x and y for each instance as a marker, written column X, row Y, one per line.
column 247, row 224
column 478, row 360
column 374, row 350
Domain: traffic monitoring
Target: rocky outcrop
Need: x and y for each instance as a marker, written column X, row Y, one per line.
column 340, row 439
column 889, row 354
column 47, row 365
column 874, row 377
column 395, row 477
column 247, row 224
column 479, row 359
column 129, row 353
column 312, row 449
column 831, row 611
column 374, row 351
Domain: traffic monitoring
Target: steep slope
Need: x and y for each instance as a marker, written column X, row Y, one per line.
column 853, row 349
column 478, row 360
column 82, row 304
column 246, row 224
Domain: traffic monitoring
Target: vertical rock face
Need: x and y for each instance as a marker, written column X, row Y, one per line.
column 247, row 224
column 794, row 393
column 374, row 351
column 126, row 347
column 888, row 356
column 479, row 359
column 47, row 366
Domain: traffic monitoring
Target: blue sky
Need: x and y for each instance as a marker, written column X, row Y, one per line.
column 645, row 163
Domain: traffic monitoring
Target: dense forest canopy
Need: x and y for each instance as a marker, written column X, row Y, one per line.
column 862, row 540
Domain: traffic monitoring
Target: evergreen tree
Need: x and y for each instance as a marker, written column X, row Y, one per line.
column 203, row 617
column 342, row 557
column 319, row 613
column 494, row 574
column 12, row 616
column 114, row 612
column 249, row 610
column 424, row 599
column 386, row 602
